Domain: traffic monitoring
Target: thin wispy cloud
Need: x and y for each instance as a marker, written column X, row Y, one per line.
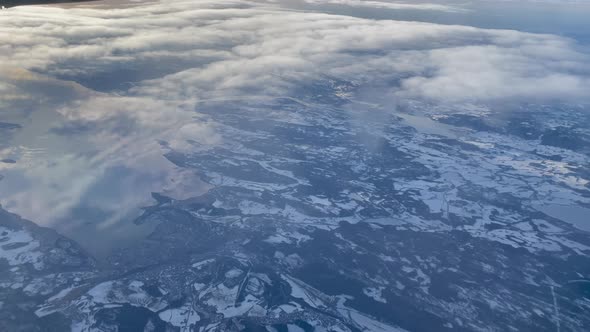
column 396, row 5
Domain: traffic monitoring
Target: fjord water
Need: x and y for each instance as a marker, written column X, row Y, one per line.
column 84, row 172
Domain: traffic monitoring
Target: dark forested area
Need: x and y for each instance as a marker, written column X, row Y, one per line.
column 12, row 3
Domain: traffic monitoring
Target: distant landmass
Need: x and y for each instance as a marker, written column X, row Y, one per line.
column 14, row 3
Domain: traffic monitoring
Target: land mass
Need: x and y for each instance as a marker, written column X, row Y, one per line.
column 14, row 3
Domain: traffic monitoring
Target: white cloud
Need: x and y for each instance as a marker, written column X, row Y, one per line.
column 397, row 5
column 215, row 48
column 497, row 72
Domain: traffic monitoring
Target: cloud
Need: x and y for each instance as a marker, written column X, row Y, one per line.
column 396, row 5
column 494, row 72
column 184, row 50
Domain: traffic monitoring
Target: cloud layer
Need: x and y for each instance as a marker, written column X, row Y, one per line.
column 396, row 5
column 194, row 49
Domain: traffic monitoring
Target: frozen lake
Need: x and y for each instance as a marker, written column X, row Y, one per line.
column 578, row 216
